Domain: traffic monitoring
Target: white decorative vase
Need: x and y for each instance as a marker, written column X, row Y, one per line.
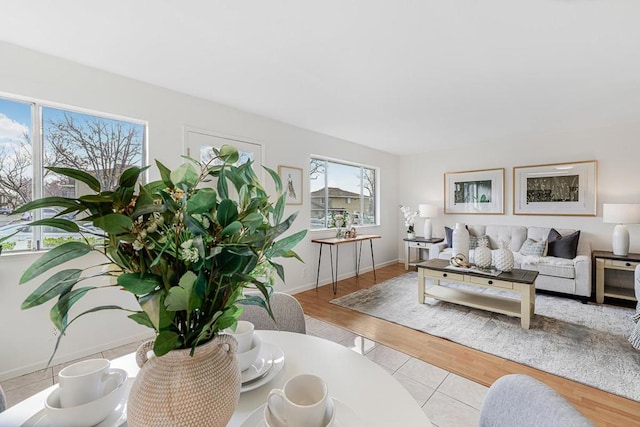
column 460, row 240
column 411, row 235
column 180, row 389
column 504, row 257
column 482, row 256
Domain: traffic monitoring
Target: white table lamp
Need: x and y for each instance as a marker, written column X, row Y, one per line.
column 621, row 214
column 427, row 212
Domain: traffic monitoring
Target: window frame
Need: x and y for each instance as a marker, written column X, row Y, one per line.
column 325, row 199
column 37, row 151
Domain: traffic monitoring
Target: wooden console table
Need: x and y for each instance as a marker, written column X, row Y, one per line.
column 625, row 266
column 521, row 281
column 335, row 241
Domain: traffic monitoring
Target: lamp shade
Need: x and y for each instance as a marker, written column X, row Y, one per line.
column 619, row 213
column 427, row 211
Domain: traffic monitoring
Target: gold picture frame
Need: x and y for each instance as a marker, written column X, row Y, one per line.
column 556, row 189
column 478, row 192
column 291, row 184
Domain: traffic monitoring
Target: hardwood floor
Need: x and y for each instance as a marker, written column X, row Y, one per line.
column 604, row 409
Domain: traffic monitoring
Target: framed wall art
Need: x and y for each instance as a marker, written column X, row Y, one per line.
column 555, row 189
column 292, row 183
column 474, row 192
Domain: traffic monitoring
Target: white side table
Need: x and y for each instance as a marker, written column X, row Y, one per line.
column 420, row 244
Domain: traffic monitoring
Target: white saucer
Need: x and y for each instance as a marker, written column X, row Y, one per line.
column 328, row 415
column 277, row 357
column 118, row 417
column 260, row 367
column 345, row 416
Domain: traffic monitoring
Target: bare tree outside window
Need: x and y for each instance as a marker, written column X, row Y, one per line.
column 102, row 147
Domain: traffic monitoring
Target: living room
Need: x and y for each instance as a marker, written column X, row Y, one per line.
column 600, row 124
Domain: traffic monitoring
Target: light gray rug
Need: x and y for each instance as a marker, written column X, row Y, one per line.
column 584, row 343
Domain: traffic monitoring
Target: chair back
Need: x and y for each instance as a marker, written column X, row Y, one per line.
column 286, row 310
column 3, row 400
column 519, row 400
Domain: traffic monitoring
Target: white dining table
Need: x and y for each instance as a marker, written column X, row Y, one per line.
column 370, row 392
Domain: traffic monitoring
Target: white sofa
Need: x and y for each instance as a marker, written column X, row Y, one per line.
column 567, row 276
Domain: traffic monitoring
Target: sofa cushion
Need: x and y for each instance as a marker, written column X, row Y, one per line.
column 513, row 234
column 549, row 266
column 532, row 247
column 563, row 246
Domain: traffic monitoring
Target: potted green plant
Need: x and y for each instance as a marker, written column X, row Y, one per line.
column 185, row 250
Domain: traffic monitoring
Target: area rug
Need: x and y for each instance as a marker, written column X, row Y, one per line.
column 586, row 343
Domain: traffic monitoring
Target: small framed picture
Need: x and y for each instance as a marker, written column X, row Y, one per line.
column 291, row 183
column 555, row 189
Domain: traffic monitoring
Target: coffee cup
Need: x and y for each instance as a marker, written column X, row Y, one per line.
column 302, row 402
column 86, row 381
column 243, row 334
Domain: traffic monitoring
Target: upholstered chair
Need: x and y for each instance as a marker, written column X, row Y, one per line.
column 634, row 337
column 286, row 310
column 519, row 400
column 3, row 400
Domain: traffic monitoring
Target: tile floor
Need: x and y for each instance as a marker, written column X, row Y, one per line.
column 447, row 399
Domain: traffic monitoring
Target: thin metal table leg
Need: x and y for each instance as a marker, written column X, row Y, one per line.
column 373, row 263
column 335, row 279
column 319, row 259
column 359, row 259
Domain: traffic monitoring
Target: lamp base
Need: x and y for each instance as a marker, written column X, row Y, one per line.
column 428, row 230
column 620, row 240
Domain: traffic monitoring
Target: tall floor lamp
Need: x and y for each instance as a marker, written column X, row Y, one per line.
column 620, row 214
column 427, row 212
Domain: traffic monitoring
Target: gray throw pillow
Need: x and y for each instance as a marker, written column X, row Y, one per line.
column 534, row 248
column 563, row 246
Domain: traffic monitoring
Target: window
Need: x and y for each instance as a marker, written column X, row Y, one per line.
column 34, row 136
column 339, row 188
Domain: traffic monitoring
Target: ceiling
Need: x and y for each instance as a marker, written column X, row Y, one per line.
column 403, row 76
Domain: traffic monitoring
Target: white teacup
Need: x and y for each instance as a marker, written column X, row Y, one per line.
column 302, row 402
column 243, row 334
column 86, row 381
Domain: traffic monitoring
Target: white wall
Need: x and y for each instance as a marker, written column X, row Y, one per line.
column 26, row 334
column 616, row 148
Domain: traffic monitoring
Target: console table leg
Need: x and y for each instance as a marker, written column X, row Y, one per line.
column 335, row 278
column 527, row 297
column 421, row 286
column 318, row 273
column 373, row 263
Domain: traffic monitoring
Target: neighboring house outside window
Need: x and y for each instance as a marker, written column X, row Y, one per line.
column 339, row 188
column 33, row 136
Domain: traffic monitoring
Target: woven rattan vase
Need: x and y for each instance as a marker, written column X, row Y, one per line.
column 180, row 390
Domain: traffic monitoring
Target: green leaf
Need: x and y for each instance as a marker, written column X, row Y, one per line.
column 130, row 176
column 253, row 221
column 281, row 247
column 48, row 202
column 165, row 342
column 151, row 304
column 60, row 310
column 56, row 256
column 276, row 179
column 59, row 283
column 229, row 154
column 106, row 197
column 141, row 318
column 231, row 229
column 155, row 186
column 194, row 225
column 203, row 200
column 62, row 224
column 114, row 223
column 185, row 174
column 278, row 210
column 179, row 297
column 279, row 269
column 78, row 175
column 139, row 284
column 165, row 174
column 227, row 212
